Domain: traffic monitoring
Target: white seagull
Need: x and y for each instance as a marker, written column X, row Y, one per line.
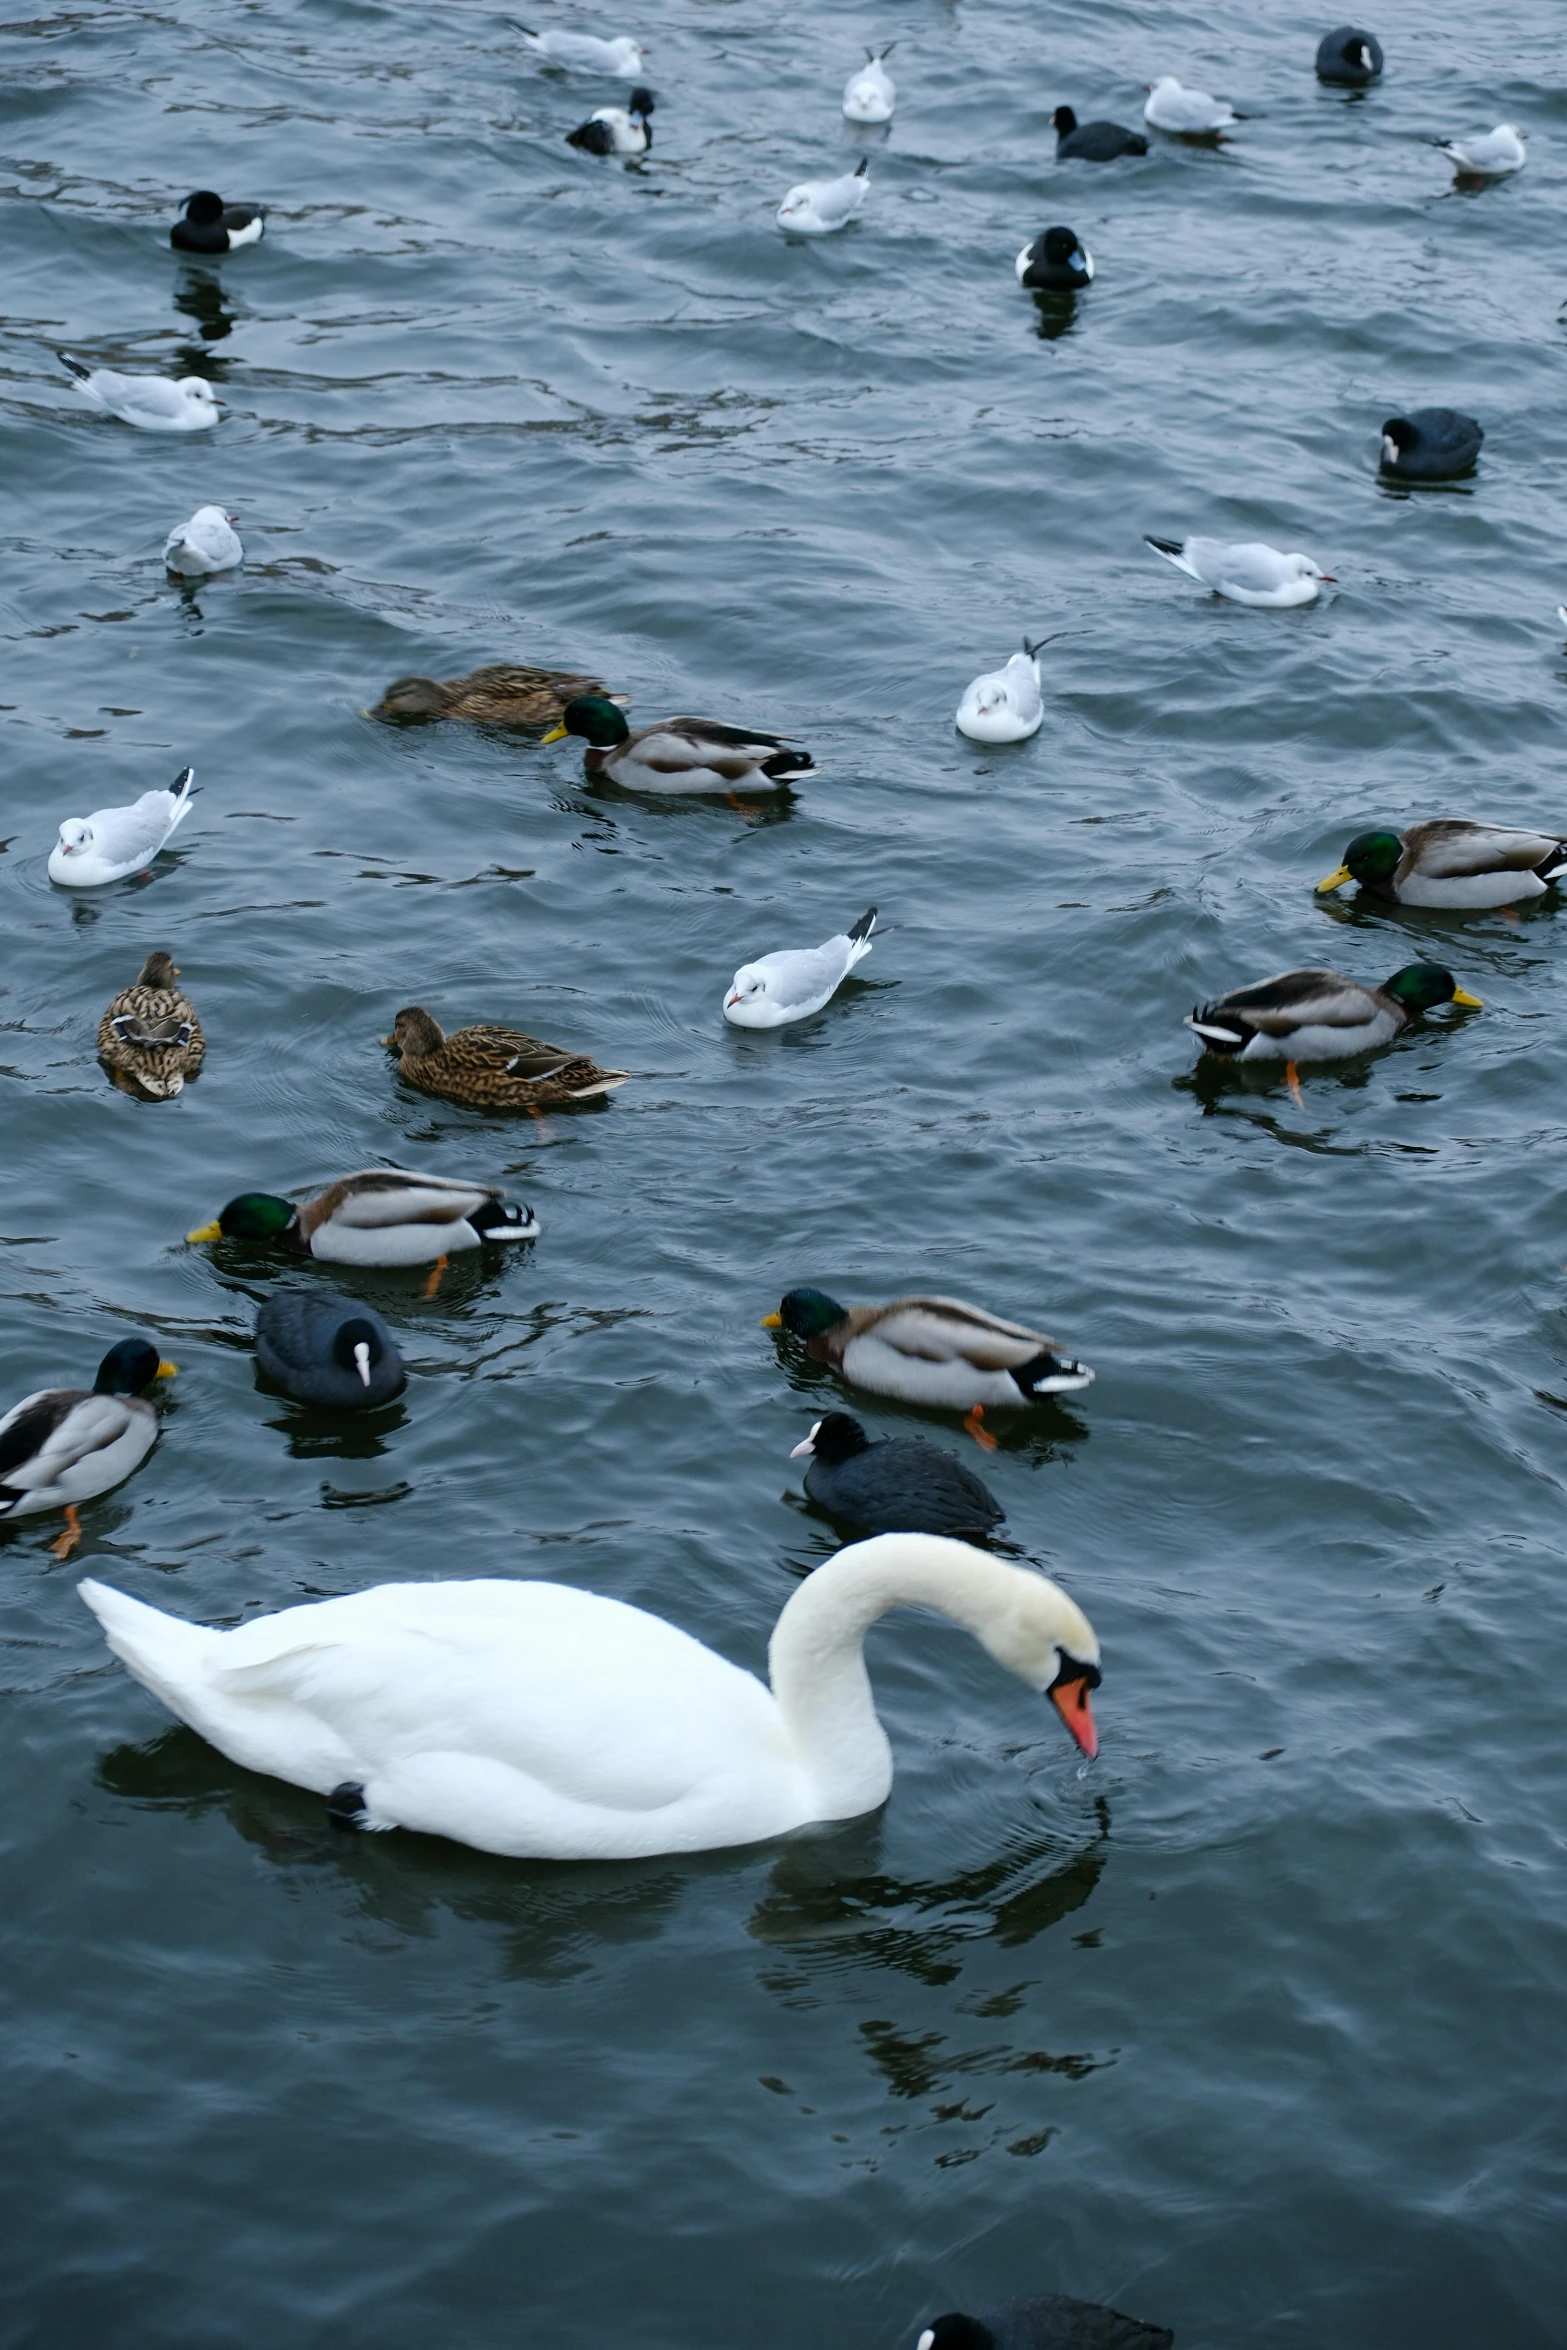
column 112, row 842
column 150, row 401
column 585, row 52
column 776, row 989
column 1004, row 706
column 1248, row 572
column 205, row 543
column 816, row 207
column 870, row 93
column 1489, row 158
column 1171, row 108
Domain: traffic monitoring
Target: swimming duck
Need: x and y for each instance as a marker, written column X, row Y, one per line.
column 1093, row 142
column 677, row 754
column 328, row 1350
column 1247, row 571
column 1450, row 863
column 796, row 981
column 1490, row 157
column 931, row 1350
column 153, row 403
column 150, row 1031
column 112, row 842
column 536, row 1720
column 617, row 130
column 65, row 1445
column 1052, row 2321
column 1055, row 263
column 384, row 1217
column 1320, row 1015
column 211, row 226
column 816, row 208
column 1349, row 57
column 1430, row 444
column 207, row 543
column 1190, row 114
column 489, row 1068
column 870, row 94
column 504, row 694
column 1005, row 705
column 900, row 1485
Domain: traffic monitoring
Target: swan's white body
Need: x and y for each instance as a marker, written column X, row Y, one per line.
column 870, row 94
column 816, row 208
column 1004, row 706
column 1188, row 113
column 1247, row 571
column 206, row 543
column 112, row 842
column 797, row 981
column 543, row 1722
column 151, row 402
column 1491, row 157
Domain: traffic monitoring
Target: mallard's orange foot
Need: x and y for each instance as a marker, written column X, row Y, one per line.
column 982, row 1436
column 65, row 1543
column 1292, row 1080
column 434, row 1282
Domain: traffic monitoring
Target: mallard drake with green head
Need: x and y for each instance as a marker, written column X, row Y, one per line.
column 678, row 754
column 150, row 1033
column 494, row 1068
column 502, row 695
column 384, row 1217
column 931, row 1350
column 1320, row 1015
column 1450, row 863
column 66, row 1445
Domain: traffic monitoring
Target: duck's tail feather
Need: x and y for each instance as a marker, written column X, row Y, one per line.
column 784, row 766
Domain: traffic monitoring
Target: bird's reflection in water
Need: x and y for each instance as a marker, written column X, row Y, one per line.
column 316, row 1433
column 1057, row 315
column 199, row 293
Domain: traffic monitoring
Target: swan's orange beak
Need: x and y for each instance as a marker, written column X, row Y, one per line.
column 1070, row 1699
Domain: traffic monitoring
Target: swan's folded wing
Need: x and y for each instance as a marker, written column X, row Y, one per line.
column 944, row 1330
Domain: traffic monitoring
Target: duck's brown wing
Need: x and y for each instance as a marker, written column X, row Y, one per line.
column 1445, row 850
column 155, row 1022
column 391, row 1195
column 509, row 694
column 945, row 1330
column 514, row 1059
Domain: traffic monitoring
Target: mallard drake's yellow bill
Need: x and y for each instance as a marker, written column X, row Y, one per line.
column 772, row 1321
column 1461, row 995
column 1335, row 880
column 213, row 1231
column 168, row 1371
column 557, row 734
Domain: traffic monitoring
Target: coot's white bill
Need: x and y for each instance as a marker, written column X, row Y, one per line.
column 796, row 982
column 151, row 402
column 1247, row 571
column 206, row 543
column 112, row 842
column 816, row 207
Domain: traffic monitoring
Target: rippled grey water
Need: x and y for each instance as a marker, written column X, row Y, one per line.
column 1255, row 2026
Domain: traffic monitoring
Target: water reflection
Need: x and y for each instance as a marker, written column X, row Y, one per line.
column 200, row 294
column 1056, row 315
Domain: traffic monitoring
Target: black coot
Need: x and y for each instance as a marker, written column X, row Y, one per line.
column 900, row 1486
column 1053, row 2321
column 1349, row 57
column 1093, row 142
column 324, row 1349
column 1431, row 444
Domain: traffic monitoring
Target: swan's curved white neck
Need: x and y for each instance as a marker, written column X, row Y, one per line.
column 816, row 1655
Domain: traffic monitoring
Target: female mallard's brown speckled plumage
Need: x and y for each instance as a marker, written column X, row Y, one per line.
column 151, row 1033
column 494, row 1068
column 502, row 695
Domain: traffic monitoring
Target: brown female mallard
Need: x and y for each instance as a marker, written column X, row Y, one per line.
column 489, row 1068
column 502, row 695
column 151, row 1034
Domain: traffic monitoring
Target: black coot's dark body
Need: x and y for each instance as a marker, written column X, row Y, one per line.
column 1056, row 263
column 1053, row 2321
column 899, row 1486
column 1349, row 57
column 210, row 226
column 1433, row 444
column 305, row 1341
column 1093, row 142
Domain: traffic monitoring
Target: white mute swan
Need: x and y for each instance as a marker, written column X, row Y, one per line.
column 545, row 1722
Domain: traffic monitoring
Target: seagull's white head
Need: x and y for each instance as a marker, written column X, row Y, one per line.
column 1304, row 568
column 795, row 206
column 75, row 834
column 749, row 986
column 197, row 388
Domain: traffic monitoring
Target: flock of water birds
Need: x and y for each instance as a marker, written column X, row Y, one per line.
column 529, row 1718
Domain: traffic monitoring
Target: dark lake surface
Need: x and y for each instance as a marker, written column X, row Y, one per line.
column 1256, row 2025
